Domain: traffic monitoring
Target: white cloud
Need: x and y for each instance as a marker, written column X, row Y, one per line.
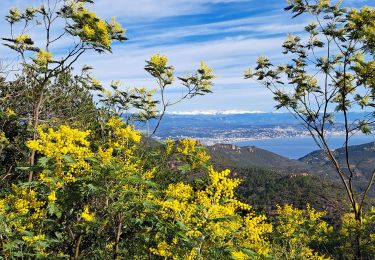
column 256, row 25
column 228, row 57
column 151, row 9
column 235, row 47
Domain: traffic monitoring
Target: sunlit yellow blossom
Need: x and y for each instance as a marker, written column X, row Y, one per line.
column 116, row 26
column 206, row 69
column 221, row 185
column 56, row 144
column 101, row 25
column 159, row 60
column 211, row 215
column 106, row 155
column 238, row 255
column 193, row 154
column 43, row 178
column 3, row 139
column 86, row 215
column 187, row 146
column 2, row 206
column 148, row 175
column 94, row 29
column 110, row 246
column 69, row 178
column 33, row 239
column 22, row 38
column 124, row 133
column 43, row 57
column 14, row 14
column 128, row 133
column 96, row 82
column 52, row 196
column 115, row 122
column 179, row 191
column 88, row 31
column 163, row 249
column 298, row 228
column 21, row 209
column 169, row 145
column 10, row 112
column 363, row 23
column 207, row 76
column 22, row 206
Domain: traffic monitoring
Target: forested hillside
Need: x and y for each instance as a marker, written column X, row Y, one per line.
column 362, row 160
column 231, row 155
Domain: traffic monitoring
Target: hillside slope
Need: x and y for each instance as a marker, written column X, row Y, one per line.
column 269, row 179
column 362, row 160
column 251, row 156
column 265, row 189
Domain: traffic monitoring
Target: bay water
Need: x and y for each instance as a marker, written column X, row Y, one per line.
column 297, row 147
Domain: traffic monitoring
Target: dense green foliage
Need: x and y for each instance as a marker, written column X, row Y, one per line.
column 264, row 189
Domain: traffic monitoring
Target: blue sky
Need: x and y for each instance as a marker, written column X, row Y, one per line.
column 227, row 34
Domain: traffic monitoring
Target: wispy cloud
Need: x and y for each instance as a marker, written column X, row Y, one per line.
column 151, row 9
column 227, row 34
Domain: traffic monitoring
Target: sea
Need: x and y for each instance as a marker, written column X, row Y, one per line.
column 297, row 147
column 216, row 125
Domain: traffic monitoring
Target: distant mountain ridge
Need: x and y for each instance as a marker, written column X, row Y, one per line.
column 239, row 117
column 215, row 112
column 225, row 126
